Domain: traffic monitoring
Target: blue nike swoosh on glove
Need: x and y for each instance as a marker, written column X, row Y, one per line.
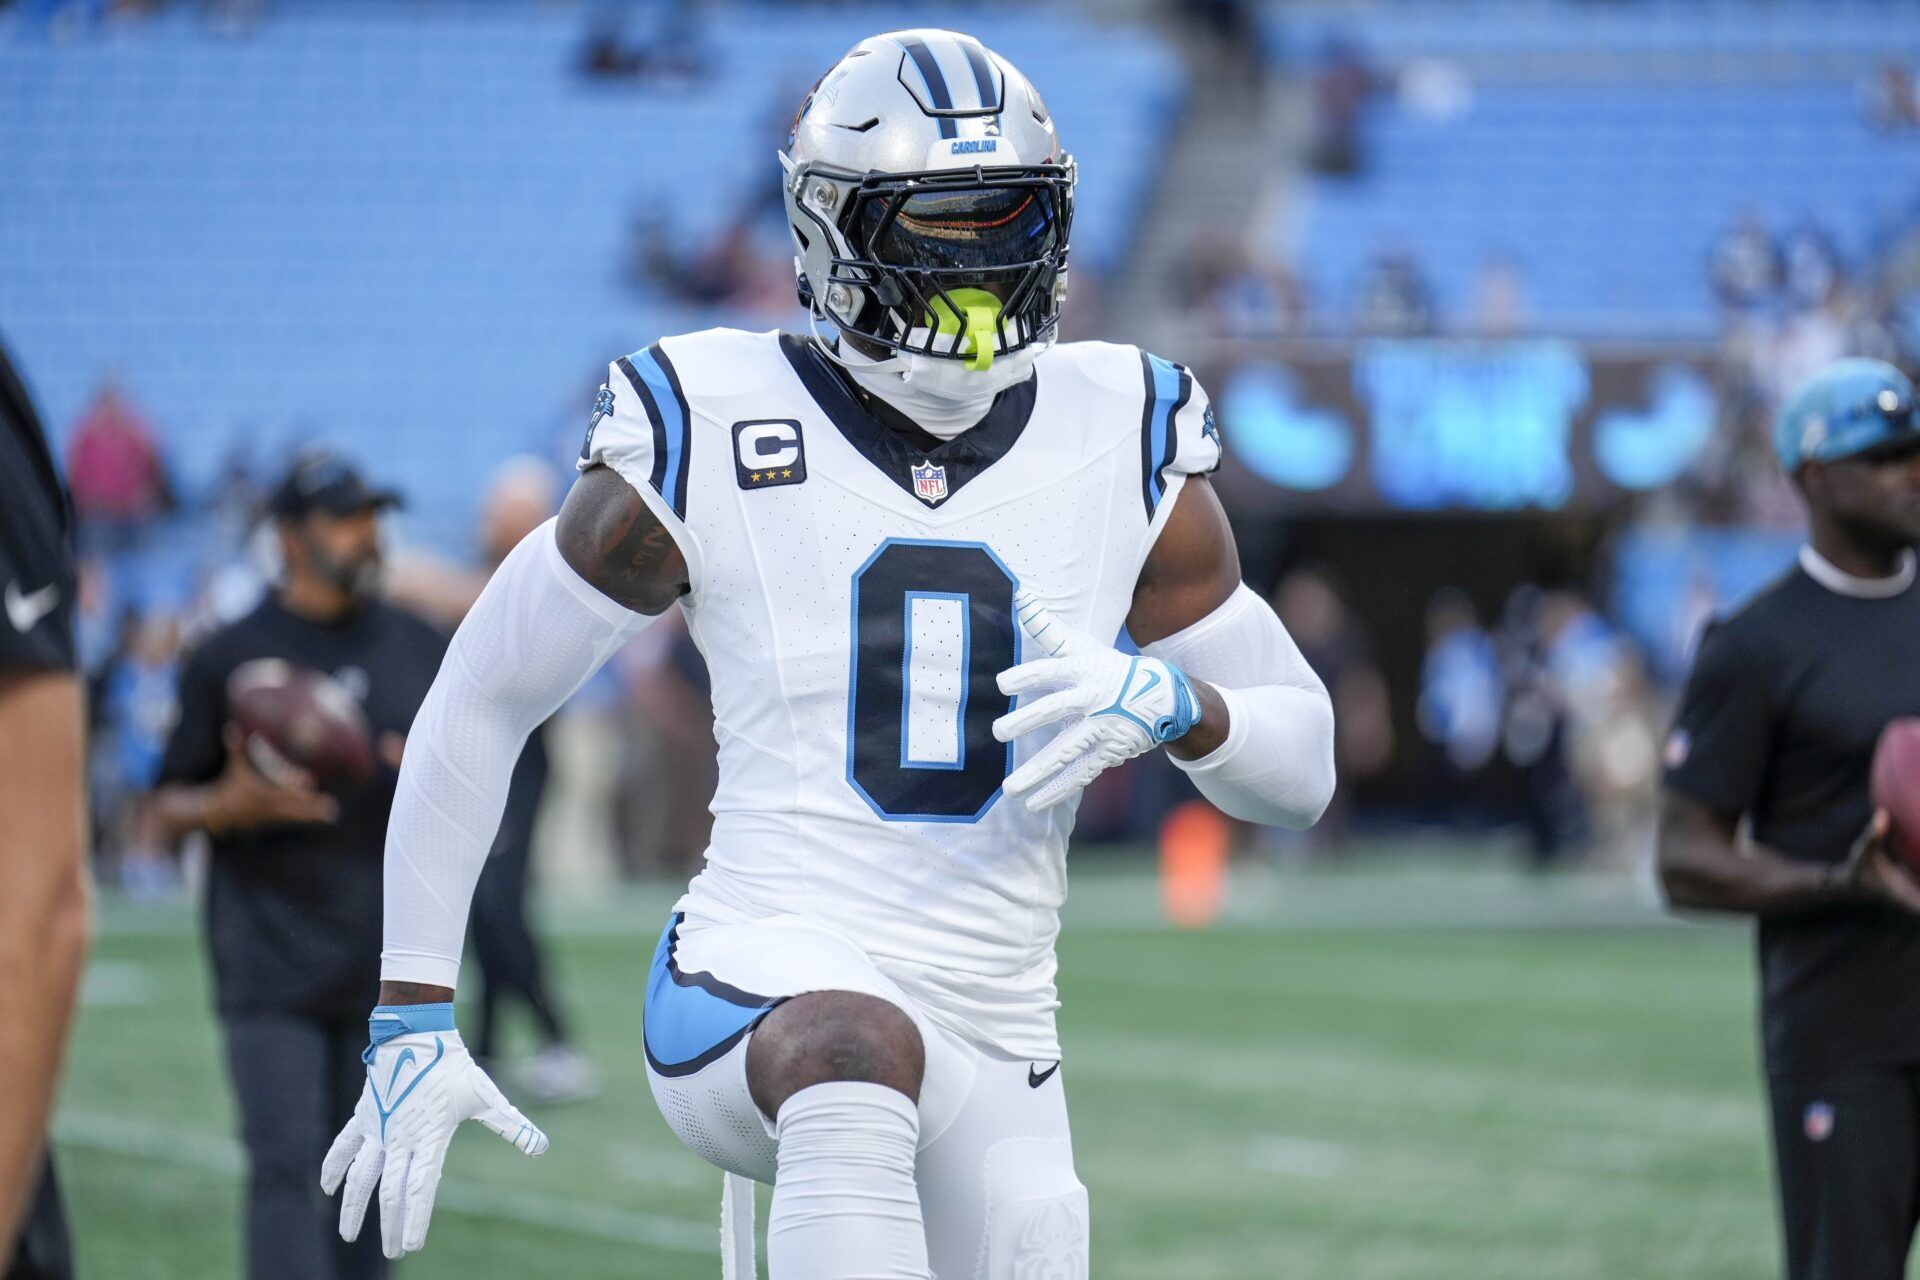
column 1153, row 681
column 406, row 1056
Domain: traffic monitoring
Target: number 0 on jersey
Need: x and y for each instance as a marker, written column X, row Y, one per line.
column 933, row 625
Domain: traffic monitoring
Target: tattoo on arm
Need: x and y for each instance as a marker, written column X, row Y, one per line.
column 613, row 540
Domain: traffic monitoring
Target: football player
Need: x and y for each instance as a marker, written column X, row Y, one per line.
column 905, row 551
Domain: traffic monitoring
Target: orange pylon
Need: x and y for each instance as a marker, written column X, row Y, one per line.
column 1193, row 864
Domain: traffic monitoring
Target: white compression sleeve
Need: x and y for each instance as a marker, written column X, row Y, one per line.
column 1276, row 765
column 844, row 1200
column 536, row 634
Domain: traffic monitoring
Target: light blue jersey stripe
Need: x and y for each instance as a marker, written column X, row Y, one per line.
column 672, row 418
column 1166, row 391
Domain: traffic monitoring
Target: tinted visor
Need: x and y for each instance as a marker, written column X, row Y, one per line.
column 980, row 228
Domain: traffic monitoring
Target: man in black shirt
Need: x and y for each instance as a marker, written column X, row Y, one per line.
column 1776, row 730
column 294, row 881
column 43, row 884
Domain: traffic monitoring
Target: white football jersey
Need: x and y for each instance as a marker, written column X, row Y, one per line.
column 853, row 596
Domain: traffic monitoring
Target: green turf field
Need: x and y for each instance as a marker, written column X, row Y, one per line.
column 1451, row 1089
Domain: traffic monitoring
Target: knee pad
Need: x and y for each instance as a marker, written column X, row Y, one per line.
column 1037, row 1220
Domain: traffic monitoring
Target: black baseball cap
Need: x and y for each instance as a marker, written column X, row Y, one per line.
column 327, row 482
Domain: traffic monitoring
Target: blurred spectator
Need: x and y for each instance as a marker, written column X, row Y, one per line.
column 1744, row 265
column 1606, row 728
column 1235, row 294
column 1395, row 298
column 1342, row 87
column 735, row 270
column 674, row 48
column 1616, row 757
column 96, row 627
column 1231, row 29
column 1810, row 268
column 1892, row 97
column 671, row 765
column 114, row 467
column 1499, row 298
column 1534, row 728
column 1335, row 644
column 1459, row 709
column 138, row 703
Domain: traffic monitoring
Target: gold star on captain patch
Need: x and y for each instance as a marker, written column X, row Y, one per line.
column 786, row 475
column 756, row 477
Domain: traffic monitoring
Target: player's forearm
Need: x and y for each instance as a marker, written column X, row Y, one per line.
column 535, row 635
column 1275, row 766
column 1263, row 748
column 44, row 916
column 1703, row 866
column 43, row 965
column 1756, row 883
column 181, row 810
column 1210, row 734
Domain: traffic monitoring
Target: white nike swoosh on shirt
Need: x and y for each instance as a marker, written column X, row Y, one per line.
column 24, row 611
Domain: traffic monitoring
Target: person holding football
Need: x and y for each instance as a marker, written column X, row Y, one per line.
column 294, row 876
column 1768, row 813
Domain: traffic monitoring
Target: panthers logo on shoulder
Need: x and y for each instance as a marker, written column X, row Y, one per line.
column 602, row 406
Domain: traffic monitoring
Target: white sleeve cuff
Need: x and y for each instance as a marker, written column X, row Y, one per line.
column 1275, row 765
column 1230, row 745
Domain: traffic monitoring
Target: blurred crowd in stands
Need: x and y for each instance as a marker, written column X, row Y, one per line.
column 1560, row 697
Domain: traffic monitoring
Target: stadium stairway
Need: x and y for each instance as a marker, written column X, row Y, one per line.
column 1224, row 175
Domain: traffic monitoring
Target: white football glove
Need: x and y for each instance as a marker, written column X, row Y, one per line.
column 1115, row 706
column 421, row 1083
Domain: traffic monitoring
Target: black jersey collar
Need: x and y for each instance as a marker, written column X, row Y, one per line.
column 943, row 465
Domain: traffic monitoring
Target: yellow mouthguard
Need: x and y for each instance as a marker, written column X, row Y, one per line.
column 982, row 314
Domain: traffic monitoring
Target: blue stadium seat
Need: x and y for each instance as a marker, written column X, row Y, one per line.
column 405, row 227
column 1609, row 195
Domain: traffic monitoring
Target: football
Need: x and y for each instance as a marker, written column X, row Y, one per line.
column 1896, row 786
column 294, row 718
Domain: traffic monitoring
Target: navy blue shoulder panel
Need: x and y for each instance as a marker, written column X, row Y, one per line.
column 1168, row 388
column 657, row 383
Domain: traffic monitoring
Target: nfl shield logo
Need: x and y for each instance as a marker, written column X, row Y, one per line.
column 930, row 483
column 1819, row 1121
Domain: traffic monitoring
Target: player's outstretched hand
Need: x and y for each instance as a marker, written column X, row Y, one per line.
column 421, row 1083
column 1114, row 706
column 1873, row 869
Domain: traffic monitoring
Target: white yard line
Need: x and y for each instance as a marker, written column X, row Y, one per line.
column 214, row 1154
column 1297, row 1157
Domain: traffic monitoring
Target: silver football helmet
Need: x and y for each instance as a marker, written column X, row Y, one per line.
column 922, row 174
